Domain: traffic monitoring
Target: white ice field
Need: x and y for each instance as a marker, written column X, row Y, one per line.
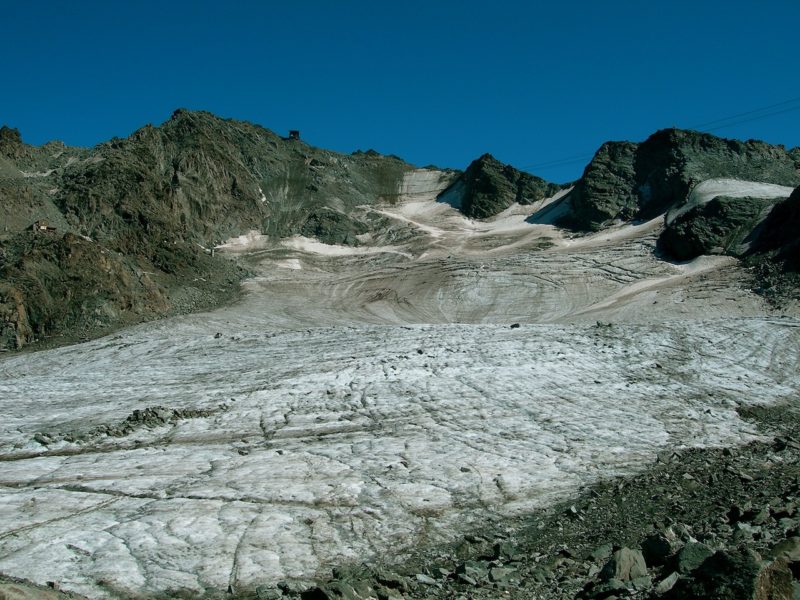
column 367, row 401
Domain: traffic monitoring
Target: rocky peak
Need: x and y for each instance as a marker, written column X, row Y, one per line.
column 626, row 180
column 11, row 144
column 179, row 113
column 193, row 118
column 491, row 186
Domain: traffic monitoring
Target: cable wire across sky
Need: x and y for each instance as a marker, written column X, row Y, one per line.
column 756, row 114
column 751, row 115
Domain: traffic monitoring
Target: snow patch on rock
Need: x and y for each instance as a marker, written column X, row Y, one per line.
column 709, row 189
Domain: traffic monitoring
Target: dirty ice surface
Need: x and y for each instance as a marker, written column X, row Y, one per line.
column 356, row 402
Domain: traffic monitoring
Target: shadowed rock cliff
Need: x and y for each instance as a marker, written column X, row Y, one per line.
column 626, row 181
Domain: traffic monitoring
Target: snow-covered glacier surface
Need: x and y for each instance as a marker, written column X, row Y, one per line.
column 326, row 445
column 358, row 404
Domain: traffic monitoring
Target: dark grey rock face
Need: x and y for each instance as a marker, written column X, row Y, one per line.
column 491, row 187
column 11, row 142
column 607, row 189
column 202, row 179
column 718, row 227
column 332, row 227
column 780, row 235
column 736, row 575
column 638, row 181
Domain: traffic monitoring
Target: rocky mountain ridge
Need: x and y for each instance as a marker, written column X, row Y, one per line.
column 133, row 220
column 129, row 225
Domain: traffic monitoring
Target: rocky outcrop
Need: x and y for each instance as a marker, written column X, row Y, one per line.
column 736, row 575
column 333, row 227
column 722, row 226
column 626, row 181
column 11, row 145
column 489, row 187
column 761, row 231
column 779, row 236
column 50, row 283
column 607, row 189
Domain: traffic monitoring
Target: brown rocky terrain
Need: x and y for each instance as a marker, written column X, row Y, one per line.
column 133, row 221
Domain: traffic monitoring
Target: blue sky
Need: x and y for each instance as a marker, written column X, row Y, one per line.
column 433, row 82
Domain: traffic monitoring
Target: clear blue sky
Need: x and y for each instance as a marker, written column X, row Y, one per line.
column 433, row 82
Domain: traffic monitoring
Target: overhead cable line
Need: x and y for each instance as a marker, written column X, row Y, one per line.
column 757, row 114
column 756, row 118
column 716, row 122
column 558, row 162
